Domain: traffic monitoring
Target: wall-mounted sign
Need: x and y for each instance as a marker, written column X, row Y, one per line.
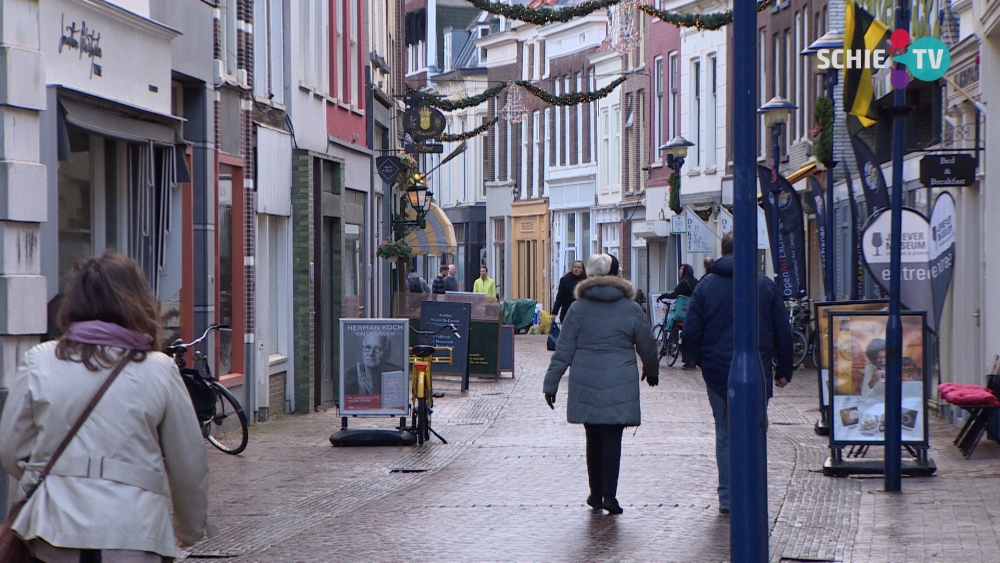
column 947, row 170
column 678, row 224
column 389, row 168
column 420, row 148
column 423, row 122
column 84, row 40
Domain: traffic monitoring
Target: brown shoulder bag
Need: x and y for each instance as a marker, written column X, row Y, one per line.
column 12, row 548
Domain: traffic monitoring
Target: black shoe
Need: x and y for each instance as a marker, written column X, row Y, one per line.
column 612, row 506
column 594, row 502
column 723, row 510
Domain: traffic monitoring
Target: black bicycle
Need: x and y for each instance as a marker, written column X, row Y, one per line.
column 803, row 339
column 668, row 341
column 223, row 422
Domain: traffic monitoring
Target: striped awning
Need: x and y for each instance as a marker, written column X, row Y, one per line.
column 438, row 237
column 802, row 172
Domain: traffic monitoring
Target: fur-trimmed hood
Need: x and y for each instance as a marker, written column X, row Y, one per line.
column 605, row 288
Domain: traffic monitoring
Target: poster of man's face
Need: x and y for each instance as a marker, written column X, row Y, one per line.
column 859, row 377
column 373, row 370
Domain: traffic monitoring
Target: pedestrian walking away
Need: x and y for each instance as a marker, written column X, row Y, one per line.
column 567, row 284
column 684, row 288
column 600, row 337
column 137, row 456
column 708, row 332
column 415, row 283
column 707, row 263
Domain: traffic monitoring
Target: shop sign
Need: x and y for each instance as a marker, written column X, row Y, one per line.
column 423, row 122
column 388, row 168
column 83, row 39
column 700, row 238
column 421, row 148
column 947, row 170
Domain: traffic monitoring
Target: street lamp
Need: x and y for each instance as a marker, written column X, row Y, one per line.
column 416, row 197
column 831, row 40
column 677, row 150
column 775, row 113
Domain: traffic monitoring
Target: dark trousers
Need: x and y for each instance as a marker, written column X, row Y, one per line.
column 604, row 456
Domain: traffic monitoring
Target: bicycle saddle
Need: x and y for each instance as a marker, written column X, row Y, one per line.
column 422, row 351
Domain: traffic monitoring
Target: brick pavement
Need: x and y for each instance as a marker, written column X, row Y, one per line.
column 511, row 483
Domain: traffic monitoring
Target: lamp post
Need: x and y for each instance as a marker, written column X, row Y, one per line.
column 748, row 523
column 831, row 40
column 416, row 198
column 775, row 113
column 677, row 151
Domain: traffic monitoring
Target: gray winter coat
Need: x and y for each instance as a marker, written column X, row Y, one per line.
column 600, row 336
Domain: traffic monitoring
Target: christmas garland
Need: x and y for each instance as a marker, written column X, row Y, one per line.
column 445, row 138
column 710, row 21
column 542, row 16
column 574, row 99
column 452, row 105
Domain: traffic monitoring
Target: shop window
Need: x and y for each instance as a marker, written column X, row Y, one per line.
column 224, row 283
column 75, row 225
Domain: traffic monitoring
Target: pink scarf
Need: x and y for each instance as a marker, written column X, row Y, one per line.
column 108, row 334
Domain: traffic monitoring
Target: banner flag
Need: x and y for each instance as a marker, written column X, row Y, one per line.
column 915, row 284
column 788, row 252
column 942, row 252
column 857, row 278
column 862, row 32
column 818, row 196
column 872, row 180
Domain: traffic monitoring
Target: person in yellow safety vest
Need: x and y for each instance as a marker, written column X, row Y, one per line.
column 484, row 283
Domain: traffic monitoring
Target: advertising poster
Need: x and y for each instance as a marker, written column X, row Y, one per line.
column 789, row 242
column 823, row 335
column 374, row 378
column 858, row 378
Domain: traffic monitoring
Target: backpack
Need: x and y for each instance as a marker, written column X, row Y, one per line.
column 413, row 284
column 202, row 394
column 437, row 286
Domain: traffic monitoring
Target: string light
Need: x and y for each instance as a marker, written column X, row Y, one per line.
column 514, row 111
column 573, row 99
column 452, row 105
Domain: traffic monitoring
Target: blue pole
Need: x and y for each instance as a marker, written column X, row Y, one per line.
column 831, row 295
column 747, row 438
column 894, row 328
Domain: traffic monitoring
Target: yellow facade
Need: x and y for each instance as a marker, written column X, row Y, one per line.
column 530, row 251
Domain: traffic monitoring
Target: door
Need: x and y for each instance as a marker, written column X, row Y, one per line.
column 329, row 313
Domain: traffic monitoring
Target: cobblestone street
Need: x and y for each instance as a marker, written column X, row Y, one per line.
column 511, row 484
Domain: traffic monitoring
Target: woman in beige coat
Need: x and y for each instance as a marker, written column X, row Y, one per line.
column 109, row 496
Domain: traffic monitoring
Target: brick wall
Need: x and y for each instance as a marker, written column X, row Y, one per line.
column 302, row 286
column 276, row 392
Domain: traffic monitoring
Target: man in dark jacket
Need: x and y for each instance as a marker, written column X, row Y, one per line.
column 708, row 334
column 439, row 285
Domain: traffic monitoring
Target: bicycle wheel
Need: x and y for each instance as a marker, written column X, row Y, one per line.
column 799, row 348
column 423, row 421
column 814, row 350
column 673, row 347
column 658, row 339
column 228, row 428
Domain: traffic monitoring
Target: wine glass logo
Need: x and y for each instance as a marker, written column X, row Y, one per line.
column 877, row 241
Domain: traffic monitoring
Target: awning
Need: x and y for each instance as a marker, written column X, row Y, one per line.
column 802, row 172
column 115, row 125
column 438, row 237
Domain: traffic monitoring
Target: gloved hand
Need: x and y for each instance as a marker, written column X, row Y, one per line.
column 652, row 379
column 550, row 398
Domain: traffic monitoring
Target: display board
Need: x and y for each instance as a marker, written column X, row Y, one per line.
column 857, row 387
column 507, row 349
column 374, row 374
column 823, row 335
column 436, row 314
column 484, row 348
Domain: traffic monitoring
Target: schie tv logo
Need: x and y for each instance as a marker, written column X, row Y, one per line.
column 927, row 59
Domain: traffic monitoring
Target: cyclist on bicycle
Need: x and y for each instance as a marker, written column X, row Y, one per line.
column 684, row 288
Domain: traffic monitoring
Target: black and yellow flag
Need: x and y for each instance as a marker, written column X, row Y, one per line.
column 862, row 32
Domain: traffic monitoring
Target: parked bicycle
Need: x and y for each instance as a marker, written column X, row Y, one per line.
column 422, row 357
column 669, row 341
column 223, row 422
column 803, row 335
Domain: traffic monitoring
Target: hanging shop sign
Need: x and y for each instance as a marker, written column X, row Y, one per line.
column 948, row 170
column 857, row 356
column 423, row 122
column 374, row 379
column 388, row 168
column 423, row 148
column 700, row 237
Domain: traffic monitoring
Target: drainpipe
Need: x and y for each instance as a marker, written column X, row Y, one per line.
column 373, row 228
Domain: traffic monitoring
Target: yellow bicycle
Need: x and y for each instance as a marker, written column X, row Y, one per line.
column 422, row 357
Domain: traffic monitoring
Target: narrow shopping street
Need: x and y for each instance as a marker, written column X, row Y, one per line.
column 511, row 484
